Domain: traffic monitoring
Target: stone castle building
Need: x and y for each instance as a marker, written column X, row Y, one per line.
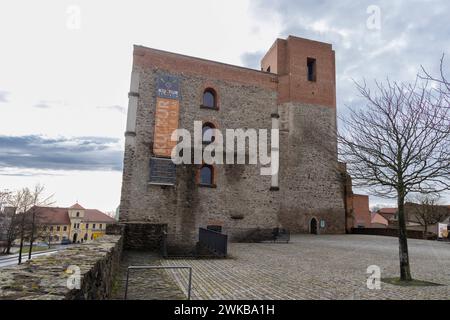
column 295, row 91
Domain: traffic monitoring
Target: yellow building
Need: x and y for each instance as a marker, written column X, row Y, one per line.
column 75, row 224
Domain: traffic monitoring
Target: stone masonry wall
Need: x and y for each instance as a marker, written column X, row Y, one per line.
column 144, row 236
column 241, row 190
column 45, row 278
column 310, row 182
column 242, row 201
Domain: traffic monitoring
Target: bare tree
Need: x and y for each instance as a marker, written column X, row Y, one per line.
column 398, row 144
column 5, row 219
column 4, row 198
column 27, row 201
column 44, row 232
column 20, row 200
column 37, row 199
column 427, row 211
column 441, row 79
column 8, row 221
column 375, row 208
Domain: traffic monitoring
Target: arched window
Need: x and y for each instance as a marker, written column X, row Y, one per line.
column 207, row 133
column 207, row 175
column 209, row 98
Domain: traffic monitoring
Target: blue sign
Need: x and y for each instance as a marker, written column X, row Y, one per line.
column 168, row 87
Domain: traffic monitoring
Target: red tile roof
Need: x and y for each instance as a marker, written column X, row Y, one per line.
column 94, row 215
column 48, row 215
column 387, row 211
column 378, row 218
column 60, row 216
column 76, row 206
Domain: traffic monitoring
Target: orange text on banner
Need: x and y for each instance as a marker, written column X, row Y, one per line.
column 166, row 121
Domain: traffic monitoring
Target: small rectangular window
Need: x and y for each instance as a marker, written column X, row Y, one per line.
column 311, row 64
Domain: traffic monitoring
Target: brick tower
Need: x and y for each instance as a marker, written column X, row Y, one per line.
column 294, row 91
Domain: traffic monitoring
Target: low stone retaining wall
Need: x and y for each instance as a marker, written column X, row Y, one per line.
column 253, row 236
column 84, row 271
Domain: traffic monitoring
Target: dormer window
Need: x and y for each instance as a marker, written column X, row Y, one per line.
column 311, row 65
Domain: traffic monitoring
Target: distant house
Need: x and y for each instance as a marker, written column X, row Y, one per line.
column 360, row 211
column 412, row 211
column 378, row 221
column 390, row 214
column 357, row 212
column 75, row 224
column 413, row 221
column 6, row 215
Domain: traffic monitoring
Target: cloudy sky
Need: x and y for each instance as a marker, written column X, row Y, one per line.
column 65, row 69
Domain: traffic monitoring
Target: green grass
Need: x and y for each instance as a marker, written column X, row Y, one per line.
column 412, row 283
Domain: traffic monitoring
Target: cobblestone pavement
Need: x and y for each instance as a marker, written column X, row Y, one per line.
column 145, row 284
column 317, row 267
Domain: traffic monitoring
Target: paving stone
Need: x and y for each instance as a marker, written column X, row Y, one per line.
column 145, row 284
column 316, row 267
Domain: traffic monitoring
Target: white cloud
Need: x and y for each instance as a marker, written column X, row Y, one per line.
column 93, row 189
column 72, row 82
column 79, row 73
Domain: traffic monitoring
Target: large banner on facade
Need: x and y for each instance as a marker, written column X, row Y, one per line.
column 162, row 169
column 166, row 115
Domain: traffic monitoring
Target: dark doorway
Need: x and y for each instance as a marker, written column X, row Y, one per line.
column 313, row 226
column 74, row 240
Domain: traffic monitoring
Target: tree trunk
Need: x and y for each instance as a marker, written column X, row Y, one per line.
column 22, row 235
column 425, row 231
column 8, row 246
column 405, row 273
column 21, row 248
column 32, row 235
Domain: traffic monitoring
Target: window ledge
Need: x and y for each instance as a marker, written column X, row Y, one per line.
column 209, row 108
column 211, row 186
